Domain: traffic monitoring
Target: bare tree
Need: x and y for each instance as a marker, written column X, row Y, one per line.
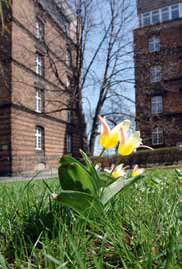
column 111, row 56
column 103, row 58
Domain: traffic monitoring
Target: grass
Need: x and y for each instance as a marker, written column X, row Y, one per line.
column 141, row 230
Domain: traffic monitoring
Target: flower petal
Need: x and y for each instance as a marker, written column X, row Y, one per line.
column 135, row 139
column 136, row 171
column 113, row 140
column 105, row 127
column 122, row 138
column 124, row 124
column 126, row 149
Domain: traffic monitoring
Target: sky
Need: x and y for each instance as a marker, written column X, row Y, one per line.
column 90, row 94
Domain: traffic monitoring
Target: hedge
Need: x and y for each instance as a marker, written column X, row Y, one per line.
column 148, row 158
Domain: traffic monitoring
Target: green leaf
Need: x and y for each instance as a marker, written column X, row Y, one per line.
column 81, row 202
column 74, row 176
column 120, row 184
column 91, row 169
column 106, row 179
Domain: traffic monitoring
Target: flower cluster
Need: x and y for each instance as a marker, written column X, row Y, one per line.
column 127, row 144
column 119, row 171
column 119, row 134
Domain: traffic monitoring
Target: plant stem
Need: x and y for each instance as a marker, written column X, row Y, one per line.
column 100, row 156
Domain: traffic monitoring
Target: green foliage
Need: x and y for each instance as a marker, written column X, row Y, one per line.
column 140, row 229
column 147, row 158
column 84, row 189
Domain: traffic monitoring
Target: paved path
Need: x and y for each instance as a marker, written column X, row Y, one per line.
column 27, row 178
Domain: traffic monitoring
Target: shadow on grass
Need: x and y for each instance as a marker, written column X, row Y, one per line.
column 36, row 228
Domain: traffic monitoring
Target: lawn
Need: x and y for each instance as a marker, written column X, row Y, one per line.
column 141, row 229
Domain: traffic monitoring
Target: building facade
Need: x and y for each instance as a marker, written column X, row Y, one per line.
column 158, row 72
column 36, row 124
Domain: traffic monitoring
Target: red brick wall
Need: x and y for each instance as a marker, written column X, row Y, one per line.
column 22, row 119
column 170, row 60
column 24, row 156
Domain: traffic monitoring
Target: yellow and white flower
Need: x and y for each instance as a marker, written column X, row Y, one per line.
column 110, row 138
column 128, row 144
column 137, row 171
column 116, row 171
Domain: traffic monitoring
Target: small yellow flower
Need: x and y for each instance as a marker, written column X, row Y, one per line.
column 117, row 171
column 137, row 171
column 110, row 138
column 128, row 144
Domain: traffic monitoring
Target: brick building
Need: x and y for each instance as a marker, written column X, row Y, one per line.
column 158, row 72
column 35, row 127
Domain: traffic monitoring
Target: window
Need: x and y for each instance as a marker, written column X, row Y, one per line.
column 179, row 144
column 154, row 44
column 69, row 116
column 39, row 64
column 67, row 82
column 39, row 138
column 39, row 101
column 68, row 143
column 146, row 19
column 155, row 16
column 161, row 15
column 39, row 30
column 156, row 103
column 175, row 12
column 68, row 58
column 157, row 136
column 165, row 14
column 155, row 74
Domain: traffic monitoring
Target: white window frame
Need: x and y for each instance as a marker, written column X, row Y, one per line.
column 67, row 82
column 39, row 138
column 177, row 8
column 69, row 116
column 39, row 30
column 146, row 14
column 38, row 101
column 39, row 64
column 157, row 11
column 168, row 11
column 157, row 136
column 161, row 10
column 155, row 74
column 68, row 143
column 68, row 58
column 154, row 44
column 156, row 104
column 180, row 10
